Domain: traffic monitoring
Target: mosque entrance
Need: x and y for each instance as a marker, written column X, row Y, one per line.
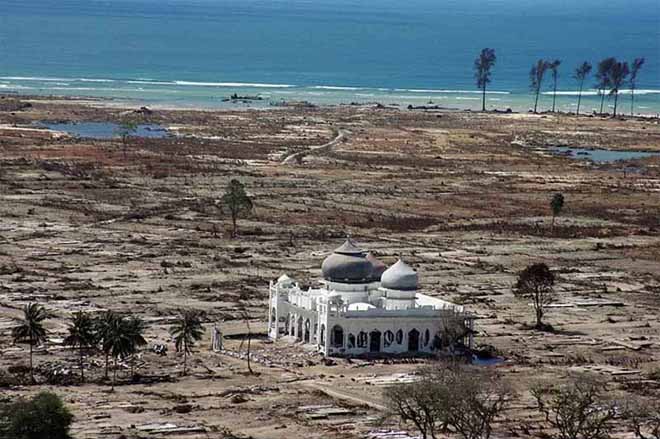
column 374, row 341
column 413, row 341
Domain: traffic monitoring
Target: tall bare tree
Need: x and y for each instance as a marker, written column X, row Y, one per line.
column 581, row 73
column 618, row 74
column 536, row 80
column 554, row 68
column 536, row 283
column 634, row 71
column 482, row 70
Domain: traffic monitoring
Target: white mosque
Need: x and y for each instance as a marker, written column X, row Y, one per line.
column 361, row 307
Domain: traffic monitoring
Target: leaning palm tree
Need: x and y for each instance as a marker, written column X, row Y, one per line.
column 634, row 71
column 554, row 67
column 187, row 330
column 31, row 329
column 581, row 73
column 103, row 325
column 82, row 335
column 536, row 79
column 136, row 328
column 618, row 75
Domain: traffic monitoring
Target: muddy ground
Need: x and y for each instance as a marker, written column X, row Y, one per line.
column 464, row 197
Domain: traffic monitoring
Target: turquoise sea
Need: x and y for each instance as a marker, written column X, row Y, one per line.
column 197, row 52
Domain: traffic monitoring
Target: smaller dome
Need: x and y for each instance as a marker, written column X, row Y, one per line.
column 378, row 267
column 400, row 276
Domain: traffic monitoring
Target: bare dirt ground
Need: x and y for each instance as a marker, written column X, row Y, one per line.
column 90, row 225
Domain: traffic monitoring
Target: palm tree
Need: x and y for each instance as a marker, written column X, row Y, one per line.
column 482, row 66
column 536, row 79
column 119, row 342
column 634, row 70
column 554, row 67
column 580, row 75
column 603, row 78
column 31, row 329
column 103, row 325
column 618, row 75
column 186, row 330
column 82, row 335
column 136, row 328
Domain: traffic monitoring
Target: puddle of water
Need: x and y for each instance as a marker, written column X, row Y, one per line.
column 104, row 130
column 491, row 361
column 600, row 155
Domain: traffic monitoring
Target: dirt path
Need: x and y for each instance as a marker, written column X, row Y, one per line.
column 346, row 396
column 341, row 135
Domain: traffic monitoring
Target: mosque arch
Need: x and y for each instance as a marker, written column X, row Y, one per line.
column 413, row 340
column 337, row 336
column 351, row 341
column 374, row 341
column 362, row 339
column 300, row 328
column 322, row 334
column 307, row 333
column 399, row 336
column 388, row 338
column 427, row 337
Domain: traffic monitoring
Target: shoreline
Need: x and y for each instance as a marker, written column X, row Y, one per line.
column 132, row 104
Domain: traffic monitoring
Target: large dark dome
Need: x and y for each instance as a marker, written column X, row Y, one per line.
column 347, row 264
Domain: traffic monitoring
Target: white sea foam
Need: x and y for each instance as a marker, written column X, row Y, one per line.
column 149, row 82
column 596, row 93
column 232, row 84
column 417, row 90
column 54, row 79
column 34, row 78
column 335, row 87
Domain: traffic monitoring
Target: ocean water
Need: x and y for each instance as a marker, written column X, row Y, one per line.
column 197, row 52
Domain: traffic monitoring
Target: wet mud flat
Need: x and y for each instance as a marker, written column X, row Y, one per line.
column 93, row 224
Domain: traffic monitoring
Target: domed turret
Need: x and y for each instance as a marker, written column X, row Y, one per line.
column 347, row 264
column 378, row 267
column 400, row 276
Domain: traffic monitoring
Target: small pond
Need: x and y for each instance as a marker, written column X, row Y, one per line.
column 104, row 130
column 601, row 155
column 486, row 361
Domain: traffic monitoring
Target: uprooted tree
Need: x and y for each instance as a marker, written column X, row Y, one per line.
column 536, row 283
column 643, row 417
column 453, row 397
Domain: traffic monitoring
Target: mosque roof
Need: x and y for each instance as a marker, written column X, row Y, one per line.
column 400, row 276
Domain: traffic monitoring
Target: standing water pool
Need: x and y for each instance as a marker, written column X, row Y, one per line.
column 104, row 130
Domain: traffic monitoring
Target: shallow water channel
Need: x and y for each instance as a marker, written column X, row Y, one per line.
column 600, row 155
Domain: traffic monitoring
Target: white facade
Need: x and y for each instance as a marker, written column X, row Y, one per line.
column 366, row 311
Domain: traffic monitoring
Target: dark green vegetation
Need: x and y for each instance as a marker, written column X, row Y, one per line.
column 41, row 417
column 536, row 283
